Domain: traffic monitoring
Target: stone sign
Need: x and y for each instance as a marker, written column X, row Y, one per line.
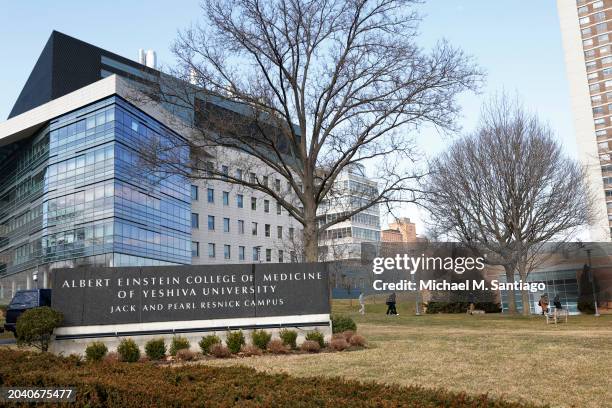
column 107, row 296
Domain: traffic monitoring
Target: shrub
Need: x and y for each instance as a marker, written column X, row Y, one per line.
column 342, row 323
column 310, row 346
column 461, row 307
column 357, row 340
column 220, row 351
column 178, row 343
column 316, row 336
column 75, row 359
column 586, row 307
column 155, row 349
column 207, row 342
column 235, row 340
column 111, row 357
column 128, row 351
column 277, row 346
column 339, row 344
column 185, row 355
column 35, row 327
column 289, row 337
column 260, row 338
column 96, row 351
column 347, row 334
column 251, row 350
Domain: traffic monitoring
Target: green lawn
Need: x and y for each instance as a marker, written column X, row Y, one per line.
column 518, row 358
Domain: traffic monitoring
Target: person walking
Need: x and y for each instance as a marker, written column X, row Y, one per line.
column 543, row 303
column 361, row 303
column 391, row 300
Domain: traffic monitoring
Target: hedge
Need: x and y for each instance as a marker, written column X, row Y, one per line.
column 461, row 307
column 141, row 384
column 586, row 307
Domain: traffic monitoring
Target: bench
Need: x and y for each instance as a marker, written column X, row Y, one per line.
column 556, row 314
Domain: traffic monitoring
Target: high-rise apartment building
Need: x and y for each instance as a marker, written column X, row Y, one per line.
column 586, row 28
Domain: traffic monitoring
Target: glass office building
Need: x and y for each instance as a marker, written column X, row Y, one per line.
column 72, row 190
column 74, row 194
column 558, row 282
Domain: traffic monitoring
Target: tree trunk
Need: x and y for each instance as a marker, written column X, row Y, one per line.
column 310, row 236
column 524, row 294
column 510, row 278
column 526, row 305
column 311, row 246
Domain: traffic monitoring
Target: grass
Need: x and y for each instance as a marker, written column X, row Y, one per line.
column 515, row 358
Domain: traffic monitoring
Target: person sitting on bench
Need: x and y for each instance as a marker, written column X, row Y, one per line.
column 557, row 302
column 559, row 311
column 472, row 303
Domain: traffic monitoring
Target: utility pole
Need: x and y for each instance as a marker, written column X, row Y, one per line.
column 592, row 279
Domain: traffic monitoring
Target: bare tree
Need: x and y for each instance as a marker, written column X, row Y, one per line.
column 301, row 90
column 507, row 189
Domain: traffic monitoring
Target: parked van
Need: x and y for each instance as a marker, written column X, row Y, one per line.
column 22, row 301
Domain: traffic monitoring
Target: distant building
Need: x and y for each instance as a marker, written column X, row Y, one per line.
column 352, row 190
column 402, row 230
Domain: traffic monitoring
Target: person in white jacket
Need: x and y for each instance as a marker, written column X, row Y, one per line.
column 361, row 303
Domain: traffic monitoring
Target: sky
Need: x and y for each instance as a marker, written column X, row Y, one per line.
column 516, row 42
